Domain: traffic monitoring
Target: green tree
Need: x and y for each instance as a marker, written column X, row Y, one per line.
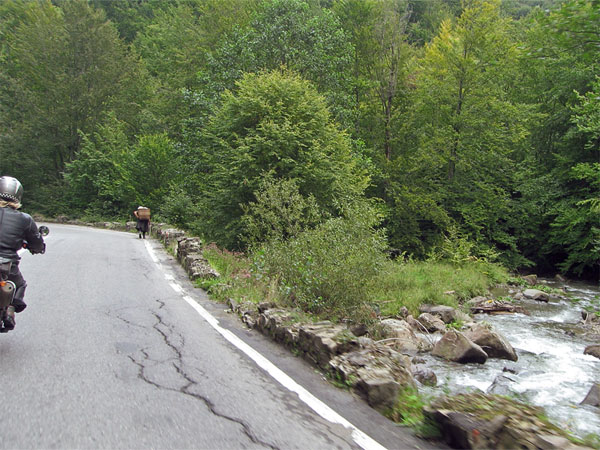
column 151, row 167
column 64, row 69
column 381, row 54
column 174, row 47
column 98, row 179
column 466, row 125
column 131, row 16
column 559, row 178
column 290, row 33
column 274, row 125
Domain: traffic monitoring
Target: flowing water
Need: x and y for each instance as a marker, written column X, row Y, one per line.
column 552, row 370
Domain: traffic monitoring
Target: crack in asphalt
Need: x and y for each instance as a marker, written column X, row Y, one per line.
column 178, row 363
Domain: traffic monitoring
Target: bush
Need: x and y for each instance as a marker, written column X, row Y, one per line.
column 279, row 213
column 328, row 270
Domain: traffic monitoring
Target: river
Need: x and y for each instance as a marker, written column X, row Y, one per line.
column 552, row 371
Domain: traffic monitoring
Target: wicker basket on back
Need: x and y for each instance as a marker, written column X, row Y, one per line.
column 143, row 214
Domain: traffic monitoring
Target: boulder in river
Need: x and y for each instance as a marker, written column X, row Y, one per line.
column 403, row 337
column 593, row 396
column 593, row 350
column 447, row 313
column 480, row 305
column 501, row 385
column 536, row 294
column 455, row 346
column 492, row 342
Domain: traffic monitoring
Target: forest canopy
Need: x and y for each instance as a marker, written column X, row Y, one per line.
column 476, row 121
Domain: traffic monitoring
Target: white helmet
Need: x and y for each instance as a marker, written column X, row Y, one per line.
column 11, row 189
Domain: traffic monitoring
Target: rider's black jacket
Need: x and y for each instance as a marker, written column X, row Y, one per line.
column 15, row 228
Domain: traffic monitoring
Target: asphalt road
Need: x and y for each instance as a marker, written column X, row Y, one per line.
column 113, row 352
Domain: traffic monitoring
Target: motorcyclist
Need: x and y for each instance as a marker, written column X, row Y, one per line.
column 16, row 229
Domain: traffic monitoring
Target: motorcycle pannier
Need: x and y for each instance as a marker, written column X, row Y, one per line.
column 144, row 214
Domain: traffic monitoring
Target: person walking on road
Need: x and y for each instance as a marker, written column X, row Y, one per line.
column 142, row 215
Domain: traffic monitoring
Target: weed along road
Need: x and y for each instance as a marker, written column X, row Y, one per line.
column 117, row 349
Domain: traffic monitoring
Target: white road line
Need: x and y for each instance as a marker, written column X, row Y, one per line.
column 360, row 437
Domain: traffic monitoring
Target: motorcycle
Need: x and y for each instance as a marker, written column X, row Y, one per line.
column 7, row 287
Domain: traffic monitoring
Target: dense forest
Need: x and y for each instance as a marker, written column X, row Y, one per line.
column 474, row 121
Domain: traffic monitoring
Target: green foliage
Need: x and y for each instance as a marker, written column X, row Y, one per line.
column 111, row 177
column 476, row 122
column 179, row 209
column 276, row 125
column 329, row 270
column 412, row 283
column 63, row 69
column 415, row 219
column 151, row 166
column 236, row 280
column 409, row 408
column 279, row 213
column 560, row 189
column 97, row 179
column 288, row 33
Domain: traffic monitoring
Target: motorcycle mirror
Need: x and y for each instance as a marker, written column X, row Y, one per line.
column 44, row 230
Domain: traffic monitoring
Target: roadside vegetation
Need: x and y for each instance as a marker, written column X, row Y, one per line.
column 315, row 279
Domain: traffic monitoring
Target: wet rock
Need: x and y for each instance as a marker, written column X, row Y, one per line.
column 590, row 318
column 455, row 346
column 431, row 323
column 424, row 375
column 482, row 421
column 492, row 342
column 536, row 294
column 376, row 373
column 593, row 396
column 501, row 385
column 512, row 368
column 446, row 313
column 531, row 279
column 593, row 350
column 401, row 336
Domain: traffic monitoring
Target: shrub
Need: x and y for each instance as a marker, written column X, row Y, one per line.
column 280, row 212
column 328, row 270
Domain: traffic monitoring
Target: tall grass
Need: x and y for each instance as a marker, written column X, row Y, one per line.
column 414, row 283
